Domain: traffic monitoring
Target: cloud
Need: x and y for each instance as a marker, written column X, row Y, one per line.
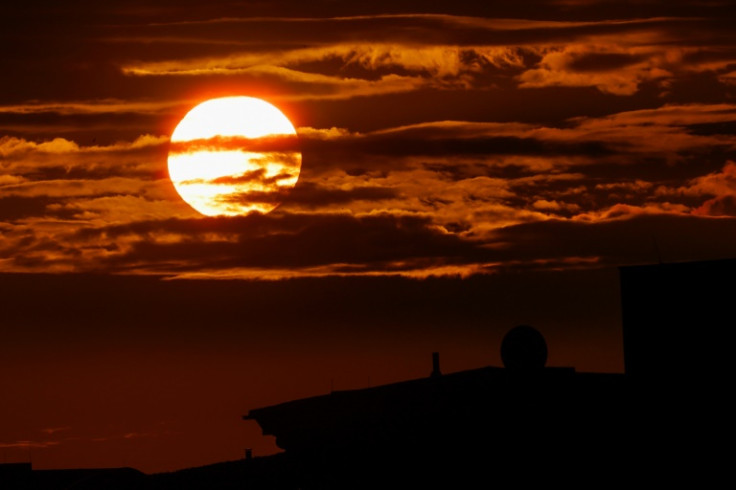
column 456, row 185
column 272, row 242
column 286, row 245
column 54, row 430
column 405, row 28
column 67, row 189
column 310, row 195
column 461, row 149
column 718, row 206
column 611, row 69
column 291, row 244
column 435, row 142
column 12, row 146
column 58, row 178
column 301, row 84
column 263, row 144
column 28, row 444
column 352, row 69
column 106, row 209
column 555, row 205
column 721, row 185
column 10, row 179
column 624, row 238
column 717, row 183
column 619, row 211
column 666, row 115
column 437, row 60
column 91, row 107
column 668, row 131
column 344, row 59
column 728, row 78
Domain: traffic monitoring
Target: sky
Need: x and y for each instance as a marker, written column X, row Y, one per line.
column 466, row 167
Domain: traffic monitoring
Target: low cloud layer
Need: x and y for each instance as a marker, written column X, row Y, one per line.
column 434, row 196
column 431, row 143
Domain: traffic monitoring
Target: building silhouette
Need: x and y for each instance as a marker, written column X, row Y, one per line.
column 22, row 476
column 665, row 421
column 526, row 423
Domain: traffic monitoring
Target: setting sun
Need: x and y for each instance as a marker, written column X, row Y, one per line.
column 234, row 155
column 216, row 214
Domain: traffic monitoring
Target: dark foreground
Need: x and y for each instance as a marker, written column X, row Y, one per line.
column 663, row 422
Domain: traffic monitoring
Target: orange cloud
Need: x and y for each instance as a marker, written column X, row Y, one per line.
column 103, row 106
column 718, row 184
column 11, row 146
column 626, row 211
column 414, row 67
column 447, row 52
column 728, row 78
column 609, row 68
column 28, row 444
column 77, row 188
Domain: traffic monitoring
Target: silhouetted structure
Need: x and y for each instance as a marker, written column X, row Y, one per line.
column 524, row 348
column 663, row 421
column 264, row 473
column 21, row 476
column 675, row 321
column 520, row 423
column 527, row 423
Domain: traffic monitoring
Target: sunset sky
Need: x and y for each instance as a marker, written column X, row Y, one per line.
column 465, row 168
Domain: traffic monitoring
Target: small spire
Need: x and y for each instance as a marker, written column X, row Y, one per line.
column 436, row 364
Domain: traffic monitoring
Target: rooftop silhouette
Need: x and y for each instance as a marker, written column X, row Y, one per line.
column 527, row 423
column 522, row 424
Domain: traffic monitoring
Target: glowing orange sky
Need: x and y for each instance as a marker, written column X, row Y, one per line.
column 497, row 161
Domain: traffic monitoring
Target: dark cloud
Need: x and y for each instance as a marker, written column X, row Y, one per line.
column 16, row 207
column 86, row 52
column 252, row 177
column 389, row 150
column 286, row 241
column 228, row 35
column 310, row 195
column 266, row 144
column 637, row 238
column 604, row 61
column 282, row 242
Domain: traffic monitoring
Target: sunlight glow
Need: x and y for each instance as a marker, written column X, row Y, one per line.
column 234, row 155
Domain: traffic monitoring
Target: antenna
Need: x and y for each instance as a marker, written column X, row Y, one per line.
column 436, row 365
column 656, row 249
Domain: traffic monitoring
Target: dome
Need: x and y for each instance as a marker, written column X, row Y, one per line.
column 524, row 348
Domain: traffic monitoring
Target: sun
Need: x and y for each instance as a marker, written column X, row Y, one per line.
column 233, row 156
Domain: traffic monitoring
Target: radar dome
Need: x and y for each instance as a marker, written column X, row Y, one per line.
column 524, row 349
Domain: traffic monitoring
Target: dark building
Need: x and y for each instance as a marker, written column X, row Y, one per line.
column 528, row 424
column 521, row 423
column 22, row 476
column 676, row 322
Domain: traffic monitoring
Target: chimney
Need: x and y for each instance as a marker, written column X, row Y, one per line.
column 436, row 364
